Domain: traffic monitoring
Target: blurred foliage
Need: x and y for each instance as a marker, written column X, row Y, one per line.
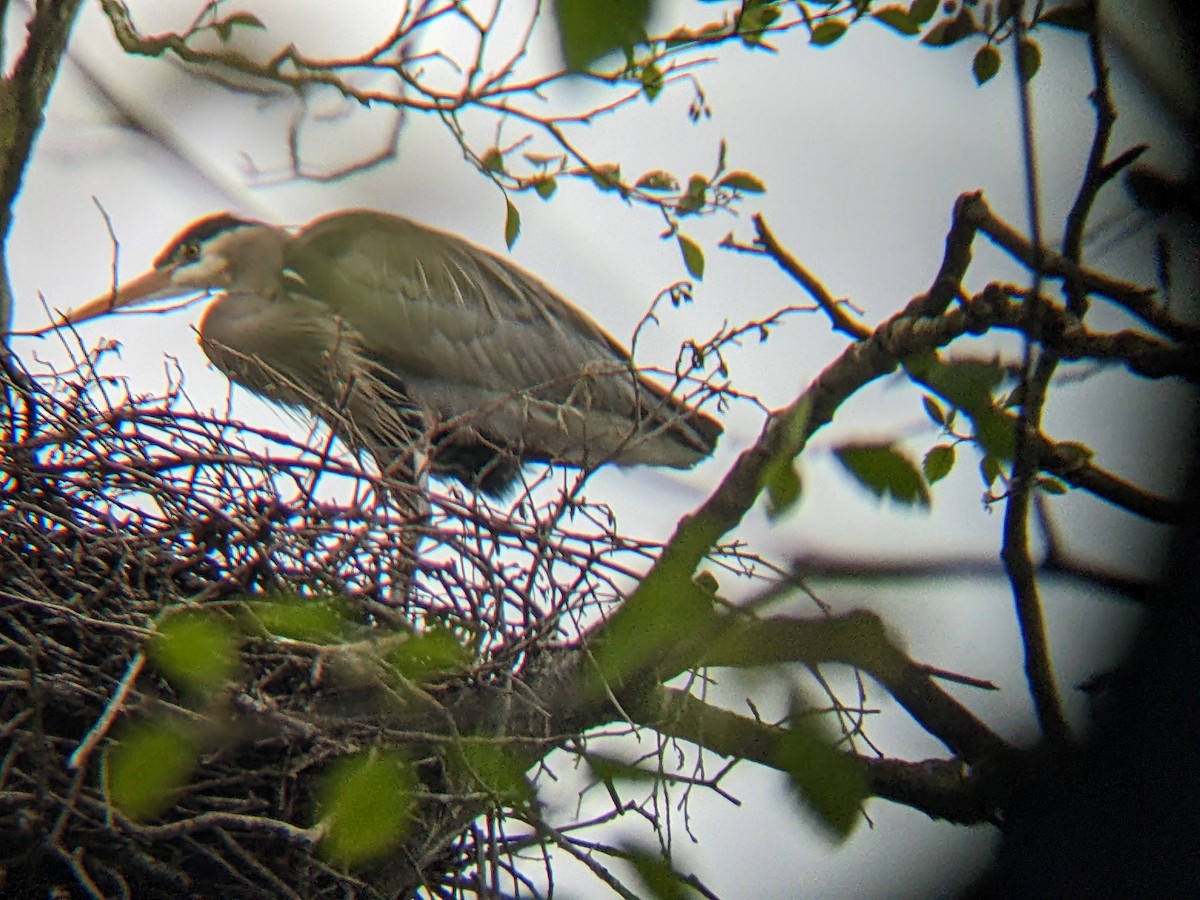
column 432, row 654
column 317, row 620
column 149, row 762
column 196, row 650
column 825, row 781
column 591, row 29
column 885, row 472
column 494, row 769
column 660, row 616
column 783, row 486
column 366, row 803
column 656, row 873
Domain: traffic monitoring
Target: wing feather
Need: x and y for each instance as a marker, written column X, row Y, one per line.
column 471, row 334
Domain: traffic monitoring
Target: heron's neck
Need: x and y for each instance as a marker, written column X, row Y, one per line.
column 256, row 261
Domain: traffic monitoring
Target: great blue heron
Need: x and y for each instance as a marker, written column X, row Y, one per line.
column 410, row 342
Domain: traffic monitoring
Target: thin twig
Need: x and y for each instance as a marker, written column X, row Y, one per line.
column 97, row 732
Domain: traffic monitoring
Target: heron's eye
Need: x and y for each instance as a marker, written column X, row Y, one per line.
column 190, row 252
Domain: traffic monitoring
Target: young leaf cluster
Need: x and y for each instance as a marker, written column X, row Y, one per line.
column 365, row 799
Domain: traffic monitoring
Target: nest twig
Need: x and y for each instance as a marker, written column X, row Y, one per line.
column 115, row 510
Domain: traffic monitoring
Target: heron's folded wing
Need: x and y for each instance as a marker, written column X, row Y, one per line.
column 464, row 327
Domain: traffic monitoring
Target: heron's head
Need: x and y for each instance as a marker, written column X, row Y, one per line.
column 215, row 253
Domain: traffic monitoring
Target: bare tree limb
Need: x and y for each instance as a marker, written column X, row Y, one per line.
column 942, row 788
column 23, row 96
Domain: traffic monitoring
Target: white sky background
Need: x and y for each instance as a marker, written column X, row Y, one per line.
column 864, row 148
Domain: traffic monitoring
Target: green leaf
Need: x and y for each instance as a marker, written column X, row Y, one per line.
column 590, row 29
column 195, row 650
column 694, row 197
column 657, row 181
column 898, row 19
column 224, row 28
column 966, row 384
column 921, row 11
column 995, row 432
column 492, row 160
column 1071, row 16
column 938, row 463
column 1051, row 485
column 934, row 410
column 986, row 64
column 1031, row 58
column 693, row 256
column 316, row 621
column 512, row 223
column 745, row 182
column 828, row 31
column 991, row 469
column 606, row 176
column 545, row 187
column 657, row 875
column 652, row 81
column 245, row 20
column 150, row 762
column 494, row 769
column 781, row 475
column 432, row 654
column 366, row 801
column 885, row 472
column 827, row 782
column 755, row 18
column 781, row 480
column 951, row 31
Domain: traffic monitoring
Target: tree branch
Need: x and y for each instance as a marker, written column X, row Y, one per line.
column 859, row 639
column 23, row 98
column 1136, row 300
column 941, row 788
column 831, row 307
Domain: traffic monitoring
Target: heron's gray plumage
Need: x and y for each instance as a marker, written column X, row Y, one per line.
column 395, row 332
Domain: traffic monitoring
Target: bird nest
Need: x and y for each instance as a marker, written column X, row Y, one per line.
column 207, row 617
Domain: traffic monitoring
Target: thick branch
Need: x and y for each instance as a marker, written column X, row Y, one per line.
column 859, row 639
column 557, row 699
column 941, row 788
column 1134, row 299
column 947, row 284
column 23, row 97
column 1139, row 353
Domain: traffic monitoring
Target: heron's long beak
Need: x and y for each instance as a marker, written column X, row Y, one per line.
column 154, row 285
